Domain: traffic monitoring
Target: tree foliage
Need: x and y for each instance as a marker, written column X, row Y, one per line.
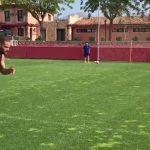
column 143, row 7
column 110, row 9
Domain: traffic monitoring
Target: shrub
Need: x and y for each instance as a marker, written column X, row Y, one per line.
column 28, row 39
column 119, row 38
column 39, row 38
column 91, row 38
column 148, row 39
column 77, row 39
column 102, row 39
column 135, row 38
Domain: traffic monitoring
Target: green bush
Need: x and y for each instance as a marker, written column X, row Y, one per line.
column 16, row 38
column 28, row 39
column 102, row 39
column 148, row 39
column 119, row 38
column 91, row 38
column 77, row 39
column 39, row 38
column 135, row 38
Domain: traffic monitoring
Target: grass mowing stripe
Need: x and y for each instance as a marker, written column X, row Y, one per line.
column 42, row 121
column 69, row 105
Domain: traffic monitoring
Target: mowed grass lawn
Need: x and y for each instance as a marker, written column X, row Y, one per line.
column 69, row 105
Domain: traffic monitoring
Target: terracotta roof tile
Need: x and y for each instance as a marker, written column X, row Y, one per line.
column 117, row 20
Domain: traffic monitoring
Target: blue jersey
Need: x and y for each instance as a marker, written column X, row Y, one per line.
column 86, row 48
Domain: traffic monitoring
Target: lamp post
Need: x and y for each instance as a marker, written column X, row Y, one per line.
column 105, row 28
column 98, row 35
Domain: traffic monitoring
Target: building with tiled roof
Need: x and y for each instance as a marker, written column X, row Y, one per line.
column 124, row 28
column 16, row 22
column 117, row 20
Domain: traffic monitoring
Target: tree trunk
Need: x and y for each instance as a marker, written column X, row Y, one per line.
column 110, row 29
column 42, row 30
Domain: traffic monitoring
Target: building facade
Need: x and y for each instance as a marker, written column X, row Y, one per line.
column 20, row 24
column 124, row 29
column 76, row 28
column 60, row 29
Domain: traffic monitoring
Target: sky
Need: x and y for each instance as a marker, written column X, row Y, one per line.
column 75, row 10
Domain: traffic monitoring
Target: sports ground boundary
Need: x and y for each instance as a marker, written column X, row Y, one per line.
column 106, row 53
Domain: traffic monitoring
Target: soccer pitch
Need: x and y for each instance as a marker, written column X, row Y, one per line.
column 69, row 105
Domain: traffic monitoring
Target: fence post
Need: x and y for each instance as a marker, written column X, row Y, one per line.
column 131, row 45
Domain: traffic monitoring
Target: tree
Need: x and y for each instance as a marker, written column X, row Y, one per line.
column 39, row 8
column 143, row 7
column 110, row 8
column 147, row 6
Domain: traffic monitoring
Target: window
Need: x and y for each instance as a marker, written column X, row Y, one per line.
column 20, row 31
column 141, row 29
column 7, row 15
column 89, row 30
column 82, row 30
column 8, row 32
column 20, row 15
column 120, row 30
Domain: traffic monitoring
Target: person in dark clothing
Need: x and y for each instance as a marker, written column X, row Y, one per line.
column 86, row 50
column 4, row 49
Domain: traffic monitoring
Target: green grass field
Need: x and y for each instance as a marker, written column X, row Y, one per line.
column 69, row 105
